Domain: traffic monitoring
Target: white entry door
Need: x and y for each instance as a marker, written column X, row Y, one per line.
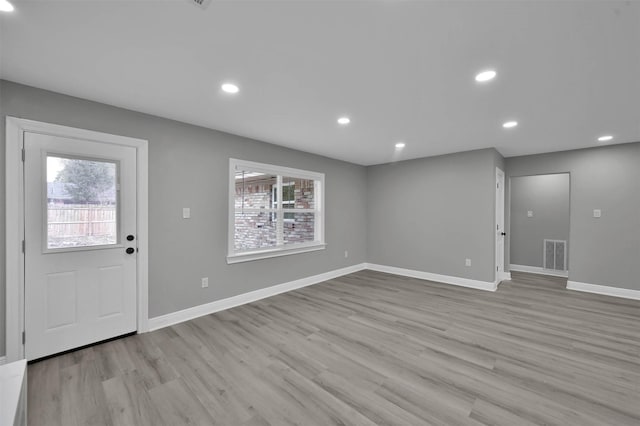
column 80, row 243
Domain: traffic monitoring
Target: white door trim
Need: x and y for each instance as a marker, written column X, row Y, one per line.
column 15, row 129
column 500, row 274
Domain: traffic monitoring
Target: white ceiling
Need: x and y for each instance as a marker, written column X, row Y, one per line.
column 568, row 71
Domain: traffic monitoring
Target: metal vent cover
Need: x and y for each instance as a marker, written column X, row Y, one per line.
column 555, row 254
column 202, row 4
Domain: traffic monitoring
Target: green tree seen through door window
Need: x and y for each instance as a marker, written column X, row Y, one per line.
column 87, row 179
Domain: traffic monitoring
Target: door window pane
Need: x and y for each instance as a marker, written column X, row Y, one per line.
column 82, row 202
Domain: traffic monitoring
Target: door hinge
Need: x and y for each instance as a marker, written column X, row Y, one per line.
column 23, row 155
column 24, row 337
column 23, row 246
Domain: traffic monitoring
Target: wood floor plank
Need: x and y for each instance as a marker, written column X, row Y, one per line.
column 43, row 388
column 82, row 401
column 363, row 349
column 205, row 383
column 491, row 414
column 129, row 402
column 177, row 405
column 149, row 361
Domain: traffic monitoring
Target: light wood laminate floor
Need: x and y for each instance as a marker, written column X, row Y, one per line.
column 368, row 348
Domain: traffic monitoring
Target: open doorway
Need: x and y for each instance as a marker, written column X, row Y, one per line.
column 539, row 217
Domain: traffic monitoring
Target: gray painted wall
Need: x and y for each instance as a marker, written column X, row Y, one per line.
column 188, row 167
column 547, row 197
column 431, row 214
column 427, row 214
column 606, row 250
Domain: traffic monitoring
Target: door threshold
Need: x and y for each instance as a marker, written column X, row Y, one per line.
column 44, row 358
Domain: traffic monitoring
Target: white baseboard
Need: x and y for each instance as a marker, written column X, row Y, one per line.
column 3, row 360
column 464, row 282
column 539, row 270
column 625, row 293
column 503, row 276
column 241, row 299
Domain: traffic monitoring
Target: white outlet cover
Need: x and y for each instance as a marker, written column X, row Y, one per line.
column 205, row 282
column 597, row 213
column 529, row 213
column 186, row 213
column 467, row 262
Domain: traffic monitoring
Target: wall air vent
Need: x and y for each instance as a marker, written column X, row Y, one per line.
column 555, row 255
column 202, row 4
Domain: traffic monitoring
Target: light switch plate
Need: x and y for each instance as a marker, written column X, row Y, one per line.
column 529, row 213
column 597, row 213
column 186, row 213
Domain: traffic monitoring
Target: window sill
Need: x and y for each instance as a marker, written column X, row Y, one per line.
column 265, row 254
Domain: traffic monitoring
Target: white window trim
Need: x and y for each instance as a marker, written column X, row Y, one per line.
column 319, row 244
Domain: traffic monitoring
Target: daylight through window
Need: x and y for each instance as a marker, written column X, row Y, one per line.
column 273, row 211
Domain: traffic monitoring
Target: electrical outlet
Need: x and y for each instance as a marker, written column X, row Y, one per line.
column 597, row 213
column 529, row 213
column 467, row 262
column 346, row 253
column 186, row 213
column 205, row 282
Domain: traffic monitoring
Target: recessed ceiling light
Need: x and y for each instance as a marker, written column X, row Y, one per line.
column 5, row 6
column 509, row 124
column 344, row 120
column 228, row 87
column 400, row 145
column 605, row 138
column 486, row 76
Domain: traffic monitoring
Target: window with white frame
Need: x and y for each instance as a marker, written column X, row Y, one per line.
column 273, row 211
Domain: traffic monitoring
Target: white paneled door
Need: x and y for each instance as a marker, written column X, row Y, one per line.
column 80, row 242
